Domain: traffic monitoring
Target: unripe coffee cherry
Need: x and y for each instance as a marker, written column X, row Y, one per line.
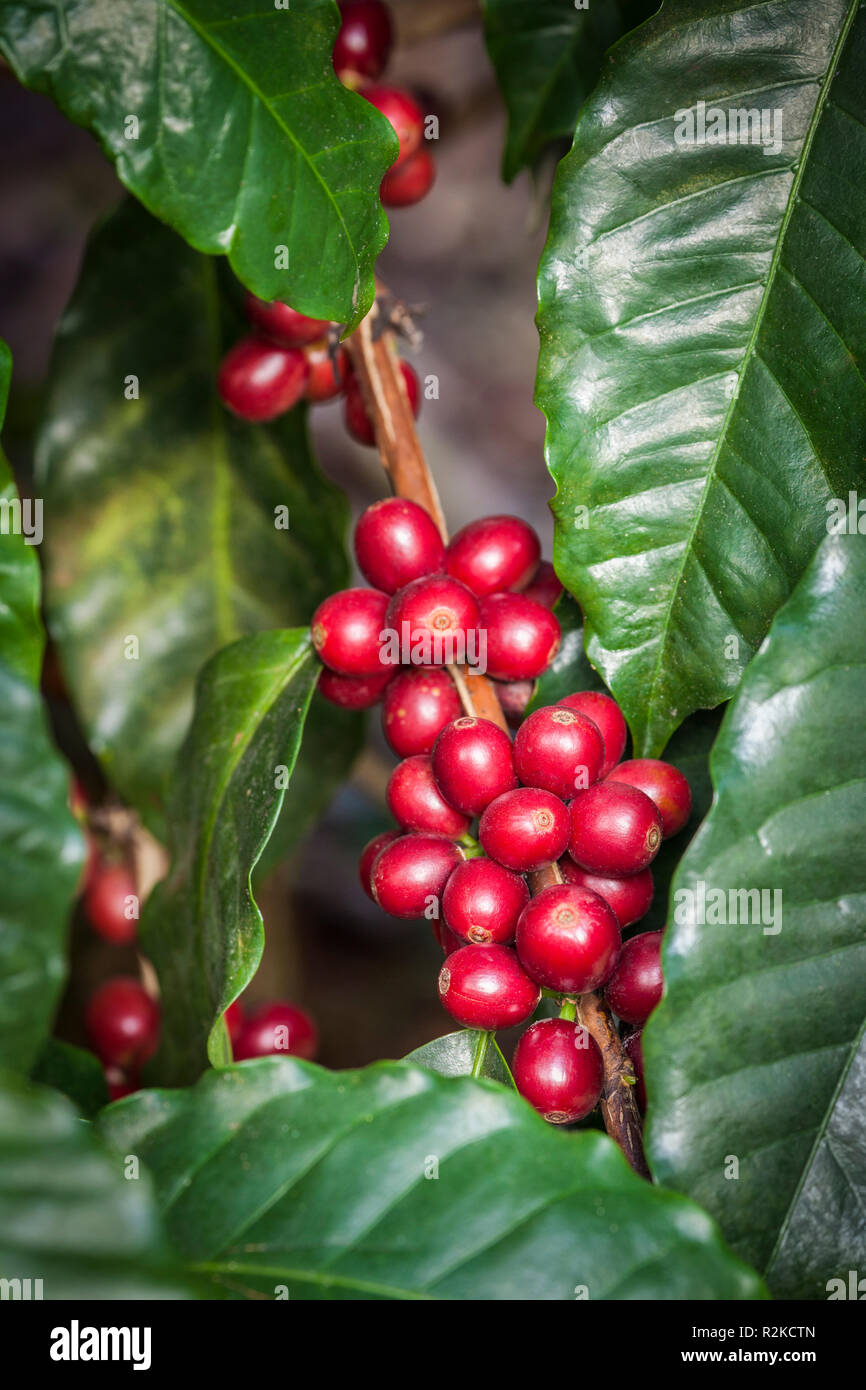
column 416, row 802
column 122, row 1023
column 568, row 939
column 558, row 749
column 370, row 853
column 277, row 1030
column 111, row 893
column 525, row 829
column 403, row 112
column 439, row 612
column 329, row 371
column 522, row 637
column 364, row 41
column 559, row 1069
column 259, row 381
column 397, row 541
column 358, row 422
column 482, row 902
column 633, row 1045
column 608, row 718
column 615, row 829
column 664, row 784
column 472, row 764
column 545, row 588
column 346, row 630
column 494, row 553
column 282, row 324
column 410, row 873
column 485, row 987
column 409, row 182
column 630, row 897
column 636, row 985
column 353, row 692
column 417, row 705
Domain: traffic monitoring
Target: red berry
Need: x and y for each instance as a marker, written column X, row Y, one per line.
column 358, row 422
column 353, row 692
column 615, row 829
column 525, row 829
column 119, row 1084
column 513, row 697
column 417, row 705
column 282, row 324
column 485, row 987
column 410, row 874
column 259, row 381
column 472, row 763
column 664, row 784
column 403, row 112
column 494, row 553
column 397, row 541
column 522, row 637
column 434, row 617
column 545, row 588
column 482, row 902
column 364, row 40
column 558, row 749
column 122, row 1022
column 277, row 1030
column 416, row 802
column 633, row 1045
column 636, row 985
column 111, row 901
column 346, row 629
column 328, row 371
column 630, row 897
column 568, row 939
column 234, row 1019
column 369, row 855
column 409, row 181
column 559, row 1069
column 608, row 718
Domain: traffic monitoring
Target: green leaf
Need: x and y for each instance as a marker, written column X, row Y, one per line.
column 686, row 317
column 68, row 1214
column 756, row 1052
column 161, row 511
column 201, row 927
column 547, row 56
column 395, row 1183
column 466, row 1053
column 74, row 1072
column 233, row 128
column 41, row 849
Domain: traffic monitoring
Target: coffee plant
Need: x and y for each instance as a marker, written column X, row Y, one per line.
column 617, row 786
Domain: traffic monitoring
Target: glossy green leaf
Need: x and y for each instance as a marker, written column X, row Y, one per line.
column 75, row 1073
column 201, row 926
column 161, row 512
column 702, row 338
column 41, row 849
column 756, row 1065
column 395, row 1183
column 466, row 1053
column 229, row 125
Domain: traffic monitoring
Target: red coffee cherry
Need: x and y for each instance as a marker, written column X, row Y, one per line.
column 545, row 588
column 234, row 1019
column 358, row 422
column 558, row 749
column 259, row 381
column 397, row 541
column 513, row 697
column 417, row 705
column 664, row 784
column 522, row 637
column 277, row 1030
column 411, row 872
column 439, row 613
column 122, row 1023
column 119, row 1083
column 353, row 692
column 403, row 112
column 494, row 553
column 109, row 896
column 607, row 716
column 636, row 985
column 568, row 939
column 346, row 628
column 369, row 855
column 364, row 41
column 630, row 897
column 525, row 829
column 408, row 182
column 559, row 1069
column 416, row 803
column 472, row 764
column 633, row 1045
column 485, row 987
column 328, row 371
column 482, row 902
column 282, row 324
column 615, row 829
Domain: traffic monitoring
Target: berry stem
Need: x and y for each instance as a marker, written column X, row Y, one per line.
column 568, row 1009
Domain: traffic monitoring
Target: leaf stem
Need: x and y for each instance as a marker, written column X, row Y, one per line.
column 480, row 1053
